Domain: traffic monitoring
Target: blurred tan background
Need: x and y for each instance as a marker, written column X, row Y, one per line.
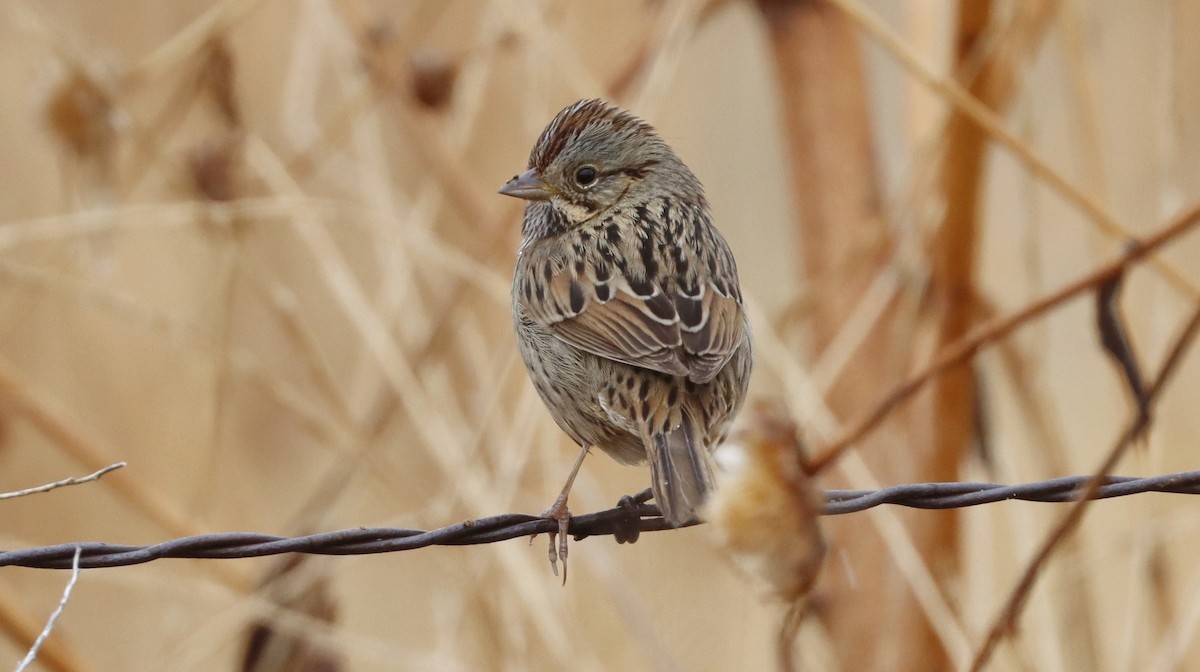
column 253, row 248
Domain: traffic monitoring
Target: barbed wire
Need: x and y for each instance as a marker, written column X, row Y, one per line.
column 632, row 516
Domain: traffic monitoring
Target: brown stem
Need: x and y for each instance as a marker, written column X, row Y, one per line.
column 1006, row 620
column 994, row 330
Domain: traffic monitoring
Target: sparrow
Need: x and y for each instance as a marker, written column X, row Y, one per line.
column 627, row 306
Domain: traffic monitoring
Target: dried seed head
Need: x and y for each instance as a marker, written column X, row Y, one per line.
column 81, row 115
column 433, row 77
column 765, row 508
column 213, row 165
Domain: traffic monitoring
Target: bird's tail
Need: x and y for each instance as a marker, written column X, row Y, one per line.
column 681, row 470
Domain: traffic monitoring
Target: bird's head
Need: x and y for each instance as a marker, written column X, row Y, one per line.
column 593, row 156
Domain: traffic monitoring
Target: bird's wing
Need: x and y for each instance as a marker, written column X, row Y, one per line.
column 636, row 321
column 713, row 326
column 611, row 319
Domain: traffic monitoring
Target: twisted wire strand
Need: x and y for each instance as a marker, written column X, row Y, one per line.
column 625, row 522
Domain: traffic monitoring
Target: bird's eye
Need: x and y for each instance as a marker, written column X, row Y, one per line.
column 585, row 176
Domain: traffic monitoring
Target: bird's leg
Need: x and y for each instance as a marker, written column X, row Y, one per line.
column 559, row 511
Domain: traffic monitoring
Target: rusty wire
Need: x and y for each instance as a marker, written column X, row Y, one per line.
column 625, row 522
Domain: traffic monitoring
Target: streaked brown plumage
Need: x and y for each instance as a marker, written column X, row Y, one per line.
column 626, row 301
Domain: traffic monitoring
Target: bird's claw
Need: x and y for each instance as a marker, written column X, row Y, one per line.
column 560, row 513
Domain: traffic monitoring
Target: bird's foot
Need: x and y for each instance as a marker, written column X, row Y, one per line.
column 628, row 528
column 558, row 511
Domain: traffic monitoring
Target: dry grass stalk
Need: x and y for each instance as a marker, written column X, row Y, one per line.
column 844, row 242
column 1006, row 622
column 1000, row 327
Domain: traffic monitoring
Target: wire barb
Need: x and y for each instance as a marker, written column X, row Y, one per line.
column 633, row 513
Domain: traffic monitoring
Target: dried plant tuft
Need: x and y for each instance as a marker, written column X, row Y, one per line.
column 765, row 508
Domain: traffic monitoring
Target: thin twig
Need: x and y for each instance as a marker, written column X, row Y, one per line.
column 43, row 413
column 993, row 124
column 219, row 19
column 75, row 480
column 967, row 347
column 62, row 603
column 1008, row 615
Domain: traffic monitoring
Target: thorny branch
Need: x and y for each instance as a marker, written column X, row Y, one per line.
column 625, row 522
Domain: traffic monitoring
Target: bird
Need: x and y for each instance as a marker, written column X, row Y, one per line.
column 627, row 307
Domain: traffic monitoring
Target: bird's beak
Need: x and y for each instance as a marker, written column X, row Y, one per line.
column 528, row 185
